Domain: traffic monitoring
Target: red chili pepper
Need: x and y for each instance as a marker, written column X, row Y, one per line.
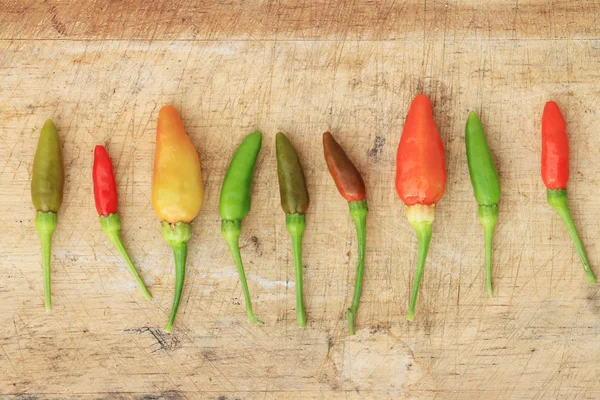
column 105, row 195
column 105, row 187
column 420, row 179
column 421, row 159
column 555, row 148
column 555, row 174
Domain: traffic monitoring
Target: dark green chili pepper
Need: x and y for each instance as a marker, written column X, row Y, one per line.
column 294, row 201
column 235, row 204
column 46, row 193
column 351, row 186
column 486, row 186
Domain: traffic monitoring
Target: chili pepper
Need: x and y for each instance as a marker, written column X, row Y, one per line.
column 235, row 204
column 294, row 202
column 555, row 174
column 351, row 186
column 46, row 194
column 105, row 196
column 486, row 186
column 177, row 192
column 420, row 179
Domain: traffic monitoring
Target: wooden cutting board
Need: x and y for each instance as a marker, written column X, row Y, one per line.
column 103, row 69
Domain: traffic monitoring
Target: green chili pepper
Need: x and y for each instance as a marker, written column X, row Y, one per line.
column 46, row 193
column 294, row 201
column 235, row 204
column 486, row 186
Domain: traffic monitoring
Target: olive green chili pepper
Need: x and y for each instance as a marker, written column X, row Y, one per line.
column 46, row 193
column 294, row 201
column 235, row 204
column 486, row 186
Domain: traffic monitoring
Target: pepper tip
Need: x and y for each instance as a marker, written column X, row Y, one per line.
column 50, row 123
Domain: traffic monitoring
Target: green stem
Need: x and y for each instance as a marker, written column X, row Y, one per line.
column 230, row 229
column 295, row 224
column 46, row 224
column 423, row 230
column 111, row 224
column 558, row 200
column 180, row 252
column 488, row 216
column 421, row 218
column 177, row 235
column 358, row 211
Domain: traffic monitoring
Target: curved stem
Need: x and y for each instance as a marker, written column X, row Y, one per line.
column 111, row 224
column 558, row 201
column 180, row 252
column 295, row 224
column 46, row 224
column 358, row 211
column 230, row 229
column 116, row 240
column 488, row 216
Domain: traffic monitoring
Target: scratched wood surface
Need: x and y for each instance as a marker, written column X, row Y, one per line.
column 103, row 69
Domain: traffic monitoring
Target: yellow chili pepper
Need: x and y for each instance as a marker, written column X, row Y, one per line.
column 177, row 191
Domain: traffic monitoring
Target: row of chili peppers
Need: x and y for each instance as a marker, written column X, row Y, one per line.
column 177, row 192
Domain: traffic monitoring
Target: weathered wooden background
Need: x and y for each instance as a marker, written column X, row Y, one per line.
column 103, row 69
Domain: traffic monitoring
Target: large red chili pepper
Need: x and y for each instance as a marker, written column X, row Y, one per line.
column 555, row 174
column 105, row 196
column 420, row 179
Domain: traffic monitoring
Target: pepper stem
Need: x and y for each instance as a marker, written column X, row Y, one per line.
column 295, row 224
column 111, row 224
column 230, row 229
column 46, row 224
column 177, row 235
column 358, row 211
column 421, row 218
column 558, row 200
column 488, row 216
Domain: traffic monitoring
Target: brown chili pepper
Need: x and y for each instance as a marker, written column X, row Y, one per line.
column 352, row 188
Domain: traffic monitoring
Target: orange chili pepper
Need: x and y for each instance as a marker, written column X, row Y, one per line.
column 420, row 179
column 177, row 191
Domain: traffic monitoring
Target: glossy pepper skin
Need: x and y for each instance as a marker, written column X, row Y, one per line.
column 106, row 198
column 235, row 202
column 420, row 179
column 486, row 186
column 47, row 183
column 177, row 192
column 351, row 186
column 294, row 202
column 555, row 174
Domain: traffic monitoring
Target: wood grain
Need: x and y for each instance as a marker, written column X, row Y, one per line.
column 103, row 69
